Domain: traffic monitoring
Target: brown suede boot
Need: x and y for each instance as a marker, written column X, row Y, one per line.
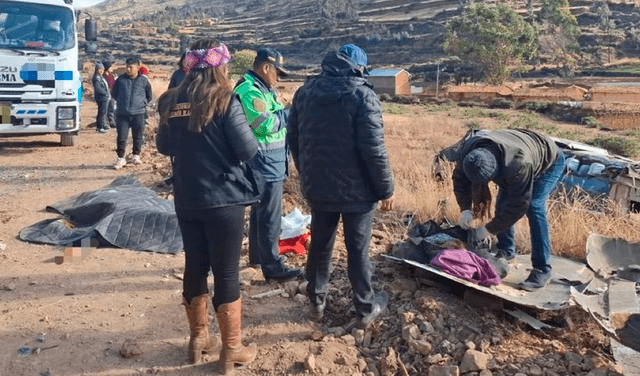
column 200, row 340
column 230, row 322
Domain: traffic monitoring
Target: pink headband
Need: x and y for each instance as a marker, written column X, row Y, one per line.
column 211, row 58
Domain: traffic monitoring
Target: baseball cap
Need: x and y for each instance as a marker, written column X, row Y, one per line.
column 355, row 54
column 272, row 57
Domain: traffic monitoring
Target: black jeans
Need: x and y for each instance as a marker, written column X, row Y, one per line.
column 111, row 113
column 101, row 118
column 212, row 241
column 123, row 123
column 264, row 230
column 357, row 233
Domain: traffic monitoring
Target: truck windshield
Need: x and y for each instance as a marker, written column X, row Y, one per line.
column 36, row 26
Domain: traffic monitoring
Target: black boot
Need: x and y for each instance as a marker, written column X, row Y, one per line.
column 379, row 306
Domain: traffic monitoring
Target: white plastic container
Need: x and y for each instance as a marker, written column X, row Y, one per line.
column 596, row 169
column 572, row 164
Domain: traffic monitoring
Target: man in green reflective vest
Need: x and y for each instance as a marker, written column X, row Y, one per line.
column 268, row 119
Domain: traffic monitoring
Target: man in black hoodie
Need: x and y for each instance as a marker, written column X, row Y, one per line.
column 336, row 137
column 132, row 92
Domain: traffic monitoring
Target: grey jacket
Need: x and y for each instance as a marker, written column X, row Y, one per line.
column 523, row 156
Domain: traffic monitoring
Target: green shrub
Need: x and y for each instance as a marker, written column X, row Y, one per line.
column 500, row 116
column 434, row 108
column 474, row 112
column 473, row 124
column 632, row 133
column 384, row 97
column 591, row 122
column 242, row 62
column 532, row 121
column 537, row 106
column 571, row 135
column 617, row 145
column 394, row 109
column 501, row 103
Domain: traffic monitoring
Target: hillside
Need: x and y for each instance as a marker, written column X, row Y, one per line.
column 393, row 32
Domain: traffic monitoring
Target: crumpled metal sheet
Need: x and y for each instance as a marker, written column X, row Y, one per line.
column 556, row 295
column 528, row 319
column 617, row 308
column 608, row 255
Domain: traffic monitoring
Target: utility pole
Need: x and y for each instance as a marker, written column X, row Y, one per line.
column 437, row 80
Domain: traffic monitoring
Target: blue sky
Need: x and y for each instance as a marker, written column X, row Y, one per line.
column 85, row 3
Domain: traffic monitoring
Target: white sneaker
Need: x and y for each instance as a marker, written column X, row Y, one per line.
column 136, row 160
column 120, row 163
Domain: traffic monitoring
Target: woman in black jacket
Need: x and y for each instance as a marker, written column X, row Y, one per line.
column 204, row 130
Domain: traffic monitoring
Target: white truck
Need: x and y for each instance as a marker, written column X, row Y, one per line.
column 40, row 85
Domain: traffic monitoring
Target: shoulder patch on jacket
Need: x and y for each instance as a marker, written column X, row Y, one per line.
column 258, row 105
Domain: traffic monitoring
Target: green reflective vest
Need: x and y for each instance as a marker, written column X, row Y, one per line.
column 261, row 108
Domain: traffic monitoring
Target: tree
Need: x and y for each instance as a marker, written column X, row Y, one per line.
column 242, row 61
column 496, row 39
column 558, row 32
column 606, row 23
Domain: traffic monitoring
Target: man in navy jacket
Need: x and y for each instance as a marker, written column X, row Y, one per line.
column 336, row 137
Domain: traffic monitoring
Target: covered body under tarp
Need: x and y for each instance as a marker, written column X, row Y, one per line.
column 123, row 214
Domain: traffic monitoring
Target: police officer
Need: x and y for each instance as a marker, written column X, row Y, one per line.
column 268, row 120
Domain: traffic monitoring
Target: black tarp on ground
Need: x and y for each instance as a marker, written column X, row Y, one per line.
column 124, row 214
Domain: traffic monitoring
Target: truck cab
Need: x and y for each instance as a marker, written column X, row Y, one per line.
column 40, row 85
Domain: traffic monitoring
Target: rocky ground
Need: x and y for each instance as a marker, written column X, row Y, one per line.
column 117, row 311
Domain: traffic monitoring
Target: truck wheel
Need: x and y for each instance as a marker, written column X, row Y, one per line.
column 69, row 139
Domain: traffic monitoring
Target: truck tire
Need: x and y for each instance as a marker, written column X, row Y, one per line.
column 69, row 139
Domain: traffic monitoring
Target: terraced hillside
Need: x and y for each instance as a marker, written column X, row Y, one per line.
column 392, row 31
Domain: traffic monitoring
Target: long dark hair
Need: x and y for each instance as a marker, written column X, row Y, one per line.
column 209, row 91
column 481, row 199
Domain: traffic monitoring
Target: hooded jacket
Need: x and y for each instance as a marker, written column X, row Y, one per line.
column 522, row 156
column 210, row 168
column 336, row 136
column 131, row 94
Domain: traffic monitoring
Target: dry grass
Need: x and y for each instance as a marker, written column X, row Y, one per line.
column 414, row 138
column 158, row 86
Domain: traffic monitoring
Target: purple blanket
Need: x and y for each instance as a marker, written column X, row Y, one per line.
column 466, row 265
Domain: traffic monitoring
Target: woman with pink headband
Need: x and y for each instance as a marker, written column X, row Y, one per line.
column 204, row 129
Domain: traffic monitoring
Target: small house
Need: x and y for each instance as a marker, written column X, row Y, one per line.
column 394, row 81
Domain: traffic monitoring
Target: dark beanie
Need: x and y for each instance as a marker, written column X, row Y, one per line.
column 480, row 165
column 107, row 64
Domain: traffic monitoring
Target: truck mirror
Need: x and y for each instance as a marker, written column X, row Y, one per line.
column 90, row 30
column 91, row 47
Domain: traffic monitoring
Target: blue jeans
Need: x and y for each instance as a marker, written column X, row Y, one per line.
column 357, row 236
column 537, row 214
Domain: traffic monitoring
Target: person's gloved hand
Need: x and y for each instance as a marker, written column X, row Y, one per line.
column 466, row 217
column 479, row 238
